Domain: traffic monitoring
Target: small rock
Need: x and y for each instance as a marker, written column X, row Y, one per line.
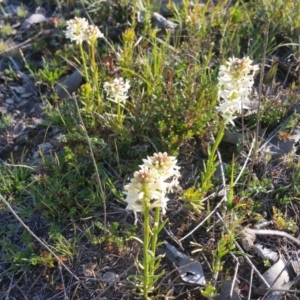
column 109, row 276
column 19, row 89
column 34, row 19
column 36, row 155
column 18, row 99
column 278, row 147
column 4, row 107
column 19, row 128
column 226, row 290
column 21, row 138
column 248, row 239
column 189, row 269
column 56, row 130
column 9, row 101
column 68, row 86
column 45, row 147
column 265, row 253
column 232, row 137
column 278, row 277
column 262, row 224
column 22, row 104
column 55, row 144
column 161, row 22
column 26, row 95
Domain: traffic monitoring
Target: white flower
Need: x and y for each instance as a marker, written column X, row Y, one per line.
column 235, row 83
column 76, row 29
column 148, row 187
column 164, row 164
column 143, row 188
column 92, row 33
column 117, row 89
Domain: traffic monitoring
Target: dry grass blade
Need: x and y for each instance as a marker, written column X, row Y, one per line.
column 273, row 232
column 93, row 159
column 258, row 124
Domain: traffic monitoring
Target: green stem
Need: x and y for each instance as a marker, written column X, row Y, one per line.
column 119, row 114
column 155, row 237
column 218, row 139
column 84, row 63
column 95, row 75
column 210, row 169
column 146, row 247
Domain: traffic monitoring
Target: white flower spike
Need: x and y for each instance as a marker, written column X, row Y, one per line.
column 236, row 79
column 76, row 29
column 165, row 166
column 148, row 187
column 117, row 89
column 79, row 30
column 92, row 33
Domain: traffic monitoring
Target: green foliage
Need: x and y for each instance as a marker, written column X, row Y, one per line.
column 267, row 263
column 11, row 74
column 21, row 260
column 175, row 105
column 289, row 192
column 5, row 121
column 273, row 112
column 14, row 180
column 64, row 114
column 66, row 248
column 113, row 236
column 66, row 188
column 209, row 291
column 51, row 73
column 19, row 250
column 193, row 199
column 259, row 186
column 6, row 30
column 127, row 56
column 22, row 11
column 224, row 246
column 3, row 45
column 281, row 222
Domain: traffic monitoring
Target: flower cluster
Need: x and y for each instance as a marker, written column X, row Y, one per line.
column 78, row 30
column 117, row 89
column 149, row 186
column 235, row 83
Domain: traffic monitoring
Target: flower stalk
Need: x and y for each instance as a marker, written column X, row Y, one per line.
column 147, row 191
column 117, row 93
column 235, row 82
column 85, row 70
column 79, row 31
column 147, row 235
